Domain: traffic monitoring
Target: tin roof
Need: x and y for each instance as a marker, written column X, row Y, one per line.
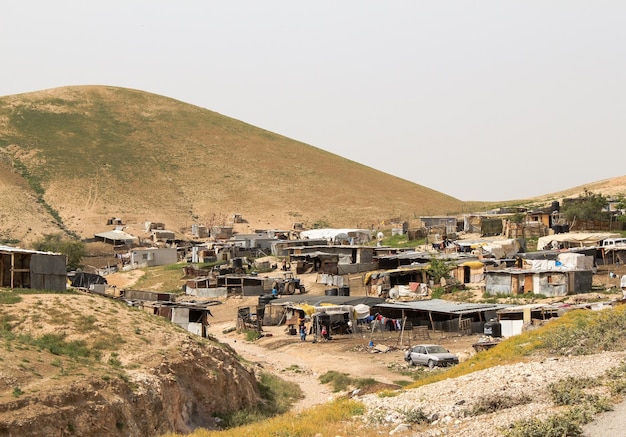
column 116, row 235
column 11, row 249
column 334, row 300
column 443, row 306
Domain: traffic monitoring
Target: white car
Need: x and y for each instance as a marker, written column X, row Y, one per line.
column 430, row 355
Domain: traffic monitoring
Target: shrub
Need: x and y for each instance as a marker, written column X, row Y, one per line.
column 565, row 424
column 277, row 397
column 569, row 391
column 56, row 344
column 415, row 415
column 74, row 249
column 339, row 381
column 342, row 381
column 496, row 402
column 252, row 335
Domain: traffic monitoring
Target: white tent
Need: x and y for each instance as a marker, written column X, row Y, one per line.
column 359, row 235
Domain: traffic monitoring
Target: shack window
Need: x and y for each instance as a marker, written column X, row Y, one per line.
column 195, row 316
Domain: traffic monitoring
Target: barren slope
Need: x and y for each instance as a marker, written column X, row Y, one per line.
column 85, row 365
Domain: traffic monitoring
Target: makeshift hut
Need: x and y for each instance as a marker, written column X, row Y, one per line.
column 21, row 268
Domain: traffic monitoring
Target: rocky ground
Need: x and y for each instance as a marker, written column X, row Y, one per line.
column 448, row 403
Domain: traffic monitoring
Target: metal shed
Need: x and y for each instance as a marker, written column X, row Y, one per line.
column 441, row 315
column 21, row 268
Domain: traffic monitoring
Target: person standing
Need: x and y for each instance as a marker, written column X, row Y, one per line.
column 302, row 333
column 324, row 333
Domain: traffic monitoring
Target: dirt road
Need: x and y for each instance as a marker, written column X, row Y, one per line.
column 609, row 424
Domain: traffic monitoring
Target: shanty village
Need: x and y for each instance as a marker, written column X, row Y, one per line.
column 154, row 282
column 344, row 302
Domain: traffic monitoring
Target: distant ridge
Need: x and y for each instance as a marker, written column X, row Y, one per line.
column 76, row 156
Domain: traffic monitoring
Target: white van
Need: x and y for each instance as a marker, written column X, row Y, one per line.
column 612, row 242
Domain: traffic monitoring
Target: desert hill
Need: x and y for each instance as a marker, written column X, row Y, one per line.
column 73, row 157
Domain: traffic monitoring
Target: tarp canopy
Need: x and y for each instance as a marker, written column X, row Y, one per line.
column 85, row 280
column 503, row 248
column 580, row 239
column 406, row 270
column 472, row 264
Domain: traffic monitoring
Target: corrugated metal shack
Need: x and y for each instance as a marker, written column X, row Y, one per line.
column 204, row 287
column 21, row 268
column 192, row 316
column 378, row 283
column 551, row 273
column 548, row 282
column 335, row 260
column 245, row 285
column 441, row 315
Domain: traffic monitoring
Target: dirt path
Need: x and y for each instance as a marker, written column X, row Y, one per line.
column 284, row 355
column 609, row 424
column 288, row 364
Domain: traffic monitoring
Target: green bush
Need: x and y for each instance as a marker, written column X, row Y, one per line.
column 342, row 381
column 339, row 381
column 568, row 424
column 252, row 335
column 414, row 415
column 74, row 249
column 277, row 397
column 569, row 391
column 496, row 402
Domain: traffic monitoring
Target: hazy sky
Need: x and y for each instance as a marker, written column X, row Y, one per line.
column 480, row 100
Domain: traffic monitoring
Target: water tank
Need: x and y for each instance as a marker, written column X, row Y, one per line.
column 343, row 291
column 555, row 206
column 260, row 312
column 265, row 299
column 493, row 328
column 331, row 292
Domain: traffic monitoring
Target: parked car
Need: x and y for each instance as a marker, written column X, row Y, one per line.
column 430, row 355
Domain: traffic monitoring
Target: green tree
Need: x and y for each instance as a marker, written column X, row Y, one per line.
column 438, row 269
column 588, row 206
column 621, row 206
column 74, row 249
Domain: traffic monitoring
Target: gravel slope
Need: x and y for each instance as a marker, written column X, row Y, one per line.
column 447, row 402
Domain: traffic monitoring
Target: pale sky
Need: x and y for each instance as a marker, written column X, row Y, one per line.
column 480, row 100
